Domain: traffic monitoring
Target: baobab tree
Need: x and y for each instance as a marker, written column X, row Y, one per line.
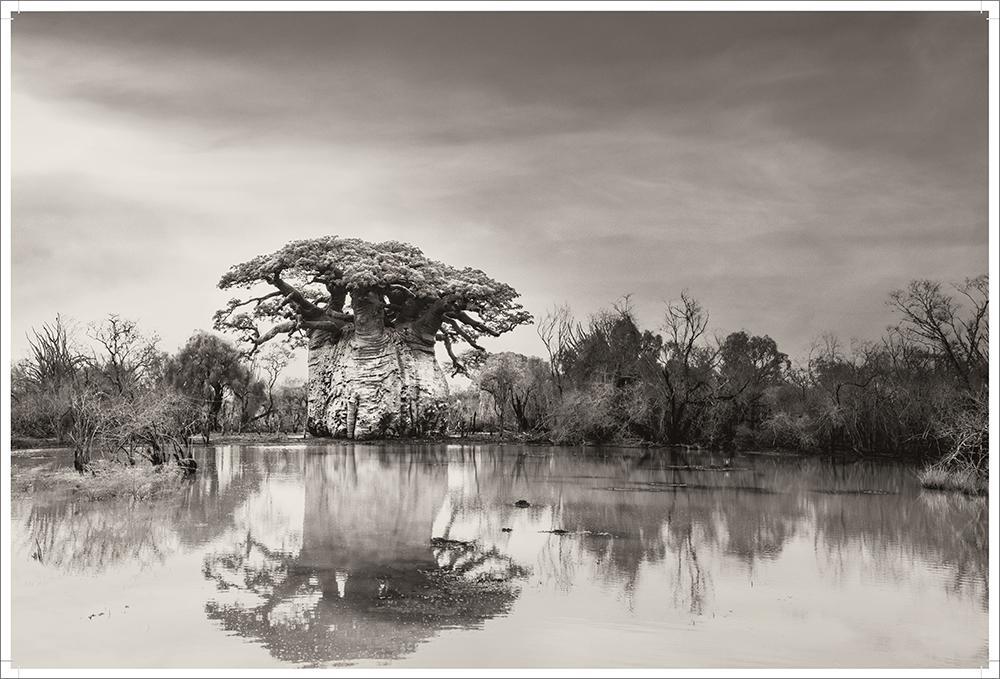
column 371, row 315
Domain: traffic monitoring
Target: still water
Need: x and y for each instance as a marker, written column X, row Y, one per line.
column 325, row 555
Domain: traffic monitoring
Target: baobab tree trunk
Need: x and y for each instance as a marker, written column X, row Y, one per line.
column 373, row 381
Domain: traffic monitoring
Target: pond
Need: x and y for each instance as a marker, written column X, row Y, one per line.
column 417, row 555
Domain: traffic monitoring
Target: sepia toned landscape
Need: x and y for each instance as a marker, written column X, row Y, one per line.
column 612, row 340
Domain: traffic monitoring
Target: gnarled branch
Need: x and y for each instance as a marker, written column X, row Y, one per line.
column 293, row 295
column 463, row 333
column 472, row 322
column 458, row 368
column 286, row 327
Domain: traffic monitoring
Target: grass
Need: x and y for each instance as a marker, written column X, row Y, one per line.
column 965, row 481
column 105, row 481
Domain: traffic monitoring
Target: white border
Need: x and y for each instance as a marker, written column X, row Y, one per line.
column 8, row 15
column 5, row 212
column 993, row 17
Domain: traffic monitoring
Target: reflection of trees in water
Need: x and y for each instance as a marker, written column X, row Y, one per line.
column 691, row 580
column 360, row 577
column 945, row 530
column 746, row 509
column 856, row 526
column 81, row 535
column 316, row 616
column 368, row 582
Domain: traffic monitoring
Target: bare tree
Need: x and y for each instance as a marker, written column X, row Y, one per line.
column 682, row 374
column 129, row 357
column 55, row 357
column 559, row 333
column 956, row 330
column 271, row 362
column 41, row 384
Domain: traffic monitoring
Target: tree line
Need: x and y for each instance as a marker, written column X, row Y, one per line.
column 126, row 398
column 920, row 390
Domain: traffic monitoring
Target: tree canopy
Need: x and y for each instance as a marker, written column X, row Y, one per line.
column 204, row 367
column 326, row 284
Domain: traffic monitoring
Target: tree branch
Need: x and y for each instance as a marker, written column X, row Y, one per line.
column 286, row 327
column 458, row 367
column 471, row 322
column 338, row 297
column 465, row 335
column 305, row 307
column 333, row 325
column 430, row 318
column 401, row 288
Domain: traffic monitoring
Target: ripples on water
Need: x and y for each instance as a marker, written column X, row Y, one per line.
column 322, row 555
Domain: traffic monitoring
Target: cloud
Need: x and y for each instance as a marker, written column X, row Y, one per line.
column 788, row 169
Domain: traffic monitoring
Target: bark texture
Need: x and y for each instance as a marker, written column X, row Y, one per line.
column 377, row 385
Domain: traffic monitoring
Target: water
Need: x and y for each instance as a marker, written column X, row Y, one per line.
column 322, row 555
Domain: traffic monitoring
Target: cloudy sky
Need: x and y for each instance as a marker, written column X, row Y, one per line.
column 789, row 170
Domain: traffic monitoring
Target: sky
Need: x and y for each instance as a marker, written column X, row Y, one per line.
column 787, row 169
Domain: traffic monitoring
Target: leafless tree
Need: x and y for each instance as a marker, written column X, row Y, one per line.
column 957, row 330
column 127, row 357
column 560, row 333
column 681, row 374
column 55, row 356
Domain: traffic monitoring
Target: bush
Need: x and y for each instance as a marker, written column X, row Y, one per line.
column 586, row 415
column 963, row 426
column 34, row 414
column 106, row 480
column 794, row 432
column 937, row 477
column 151, row 425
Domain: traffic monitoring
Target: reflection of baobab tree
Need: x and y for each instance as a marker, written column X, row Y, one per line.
column 371, row 580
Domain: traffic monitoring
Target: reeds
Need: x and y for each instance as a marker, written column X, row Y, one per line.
column 963, row 480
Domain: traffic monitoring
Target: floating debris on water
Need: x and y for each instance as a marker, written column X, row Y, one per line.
column 704, row 468
column 863, row 491
column 659, row 488
column 447, row 542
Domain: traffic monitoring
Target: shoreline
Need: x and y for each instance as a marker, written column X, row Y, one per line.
column 21, row 447
column 108, row 486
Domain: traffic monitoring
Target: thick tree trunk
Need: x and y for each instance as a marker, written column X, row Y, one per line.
column 216, row 406
column 373, row 382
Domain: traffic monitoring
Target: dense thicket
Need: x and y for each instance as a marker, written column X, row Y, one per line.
column 119, row 396
column 919, row 390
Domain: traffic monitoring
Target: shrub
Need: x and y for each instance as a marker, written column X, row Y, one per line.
column 586, row 415
column 794, row 432
column 963, row 426
column 937, row 477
